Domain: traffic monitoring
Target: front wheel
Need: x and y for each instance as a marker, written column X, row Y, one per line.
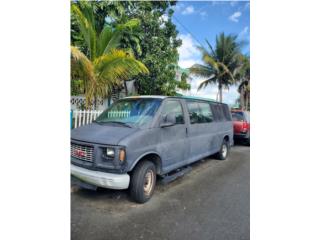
column 224, row 150
column 143, row 182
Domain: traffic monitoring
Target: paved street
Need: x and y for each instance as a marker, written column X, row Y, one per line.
column 210, row 202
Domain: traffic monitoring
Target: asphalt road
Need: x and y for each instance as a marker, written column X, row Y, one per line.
column 210, row 202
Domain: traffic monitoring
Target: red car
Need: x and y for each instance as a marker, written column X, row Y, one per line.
column 241, row 125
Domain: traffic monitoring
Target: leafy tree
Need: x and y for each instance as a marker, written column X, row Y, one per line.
column 100, row 64
column 154, row 42
column 220, row 63
column 183, row 84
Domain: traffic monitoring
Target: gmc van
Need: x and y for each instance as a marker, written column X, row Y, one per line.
column 138, row 138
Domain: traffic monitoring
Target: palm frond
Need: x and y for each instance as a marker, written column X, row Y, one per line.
column 117, row 66
column 104, row 39
column 210, row 47
column 83, row 67
column 206, row 82
column 87, row 30
column 81, row 64
column 113, row 42
column 132, row 23
column 211, row 61
column 201, row 70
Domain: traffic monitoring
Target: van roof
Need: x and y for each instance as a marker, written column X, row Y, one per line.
column 181, row 97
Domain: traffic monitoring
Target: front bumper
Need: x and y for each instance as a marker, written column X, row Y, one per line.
column 101, row 179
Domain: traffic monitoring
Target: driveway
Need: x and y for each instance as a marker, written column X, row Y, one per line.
column 210, row 202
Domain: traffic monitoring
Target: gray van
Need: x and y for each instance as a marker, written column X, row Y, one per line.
column 138, row 138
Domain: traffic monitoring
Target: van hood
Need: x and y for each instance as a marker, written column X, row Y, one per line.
column 101, row 134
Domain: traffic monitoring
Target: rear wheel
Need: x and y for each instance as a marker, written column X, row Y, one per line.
column 143, row 181
column 224, row 150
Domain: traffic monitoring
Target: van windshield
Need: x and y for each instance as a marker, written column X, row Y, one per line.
column 132, row 112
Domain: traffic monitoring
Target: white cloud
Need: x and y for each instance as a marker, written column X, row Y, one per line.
column 178, row 7
column 243, row 33
column 229, row 96
column 188, row 10
column 235, row 17
column 188, row 52
column 164, row 17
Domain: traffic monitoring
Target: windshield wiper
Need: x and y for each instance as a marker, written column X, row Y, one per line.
column 121, row 123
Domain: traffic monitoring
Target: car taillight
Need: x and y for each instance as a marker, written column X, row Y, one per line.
column 245, row 126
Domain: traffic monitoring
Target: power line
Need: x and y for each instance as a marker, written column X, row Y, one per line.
column 188, row 30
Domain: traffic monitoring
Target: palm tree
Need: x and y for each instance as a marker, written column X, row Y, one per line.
column 244, row 86
column 102, row 66
column 220, row 63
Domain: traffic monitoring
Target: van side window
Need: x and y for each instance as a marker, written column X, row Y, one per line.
column 194, row 112
column 199, row 112
column 173, row 106
column 206, row 113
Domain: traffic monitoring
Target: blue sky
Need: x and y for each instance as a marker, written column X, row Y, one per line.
column 200, row 20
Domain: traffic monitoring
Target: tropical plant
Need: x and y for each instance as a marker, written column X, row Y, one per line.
column 101, row 65
column 221, row 63
column 244, row 87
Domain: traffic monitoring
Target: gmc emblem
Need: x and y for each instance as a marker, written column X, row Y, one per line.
column 79, row 153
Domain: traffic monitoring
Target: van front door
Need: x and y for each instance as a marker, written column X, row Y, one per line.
column 174, row 145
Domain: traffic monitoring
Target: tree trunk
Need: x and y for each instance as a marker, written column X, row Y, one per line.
column 242, row 98
column 220, row 92
column 247, row 101
column 125, row 88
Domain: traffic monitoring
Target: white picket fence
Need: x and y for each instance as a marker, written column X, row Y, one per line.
column 84, row 117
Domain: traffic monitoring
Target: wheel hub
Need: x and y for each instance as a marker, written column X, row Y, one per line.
column 224, row 150
column 148, row 182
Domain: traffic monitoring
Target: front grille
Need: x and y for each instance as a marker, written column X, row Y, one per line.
column 82, row 152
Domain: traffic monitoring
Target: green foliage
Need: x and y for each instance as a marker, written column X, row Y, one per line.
column 183, row 83
column 220, row 63
column 101, row 66
column 154, row 42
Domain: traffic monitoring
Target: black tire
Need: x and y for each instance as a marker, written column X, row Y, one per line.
column 138, row 181
column 248, row 141
column 224, row 146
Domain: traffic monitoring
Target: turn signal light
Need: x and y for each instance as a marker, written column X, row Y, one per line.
column 122, row 155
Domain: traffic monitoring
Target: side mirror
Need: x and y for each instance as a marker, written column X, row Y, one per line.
column 168, row 120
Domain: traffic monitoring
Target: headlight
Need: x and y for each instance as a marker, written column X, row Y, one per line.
column 108, row 152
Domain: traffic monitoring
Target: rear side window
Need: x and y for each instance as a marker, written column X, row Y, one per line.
column 199, row 112
column 217, row 112
column 226, row 112
column 173, row 106
column 221, row 112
